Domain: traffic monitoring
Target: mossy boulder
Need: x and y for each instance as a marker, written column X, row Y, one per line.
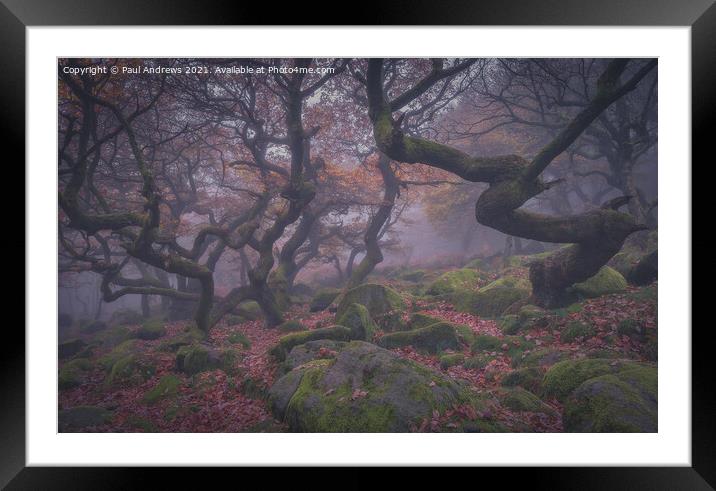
column 70, row 348
column 190, row 335
column 419, row 320
column 565, row 376
column 249, row 310
column 132, row 369
column 168, row 386
column 323, row 298
column 366, row 389
column 152, row 329
column 623, row 262
column 289, row 341
column 453, row 281
column 82, row 417
column 356, row 318
column 291, row 326
column 606, row 281
column 200, row 357
column 512, row 346
column 630, row 327
column 451, row 359
column 623, row 402
column 529, row 378
column 431, row 339
column 70, row 375
column 576, row 330
column 493, row 299
column 125, row 317
column 312, row 350
column 521, row 400
column 543, row 357
column 120, row 351
column 384, row 305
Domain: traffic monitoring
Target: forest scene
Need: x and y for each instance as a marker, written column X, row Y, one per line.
column 357, row 245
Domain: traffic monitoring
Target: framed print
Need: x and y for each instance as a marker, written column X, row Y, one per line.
column 432, row 242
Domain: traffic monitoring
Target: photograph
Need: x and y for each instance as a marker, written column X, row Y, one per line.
column 357, row 245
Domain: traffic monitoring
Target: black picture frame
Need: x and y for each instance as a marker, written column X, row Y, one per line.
column 16, row 15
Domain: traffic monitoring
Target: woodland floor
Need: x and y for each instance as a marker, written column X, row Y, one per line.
column 213, row 401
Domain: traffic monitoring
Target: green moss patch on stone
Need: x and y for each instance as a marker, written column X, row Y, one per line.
column 530, row 378
column 418, row 320
column 431, row 339
column 168, row 386
column 519, row 399
column 131, row 369
column 70, row 375
column 453, row 281
column 357, row 318
column 238, row 337
column 291, row 326
column 289, row 341
column 606, row 281
column 576, row 330
column 384, row 305
column 492, row 300
column 621, row 402
column 567, row 375
column 199, row 357
column 152, row 329
column 450, row 360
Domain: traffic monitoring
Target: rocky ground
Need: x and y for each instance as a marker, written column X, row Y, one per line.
column 412, row 350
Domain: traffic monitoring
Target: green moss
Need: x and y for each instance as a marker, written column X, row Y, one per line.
column 152, row 329
column 384, row 305
column 356, row 318
column 453, row 281
column 493, row 299
column 419, row 320
column 510, row 324
column 198, row 358
column 130, row 369
column 485, row 342
column 113, row 336
column 288, row 342
column 70, row 373
column 291, row 326
column 530, row 378
column 540, row 358
column 323, row 298
column 450, row 360
column 120, row 351
column 336, row 417
column 167, row 386
column 238, row 337
column 478, row 362
column 622, row 402
column 567, row 375
column 189, row 336
column 249, row 311
column 606, row 281
column 465, row 334
column 431, row 339
column 575, row 330
column 519, row 399
column 570, row 309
